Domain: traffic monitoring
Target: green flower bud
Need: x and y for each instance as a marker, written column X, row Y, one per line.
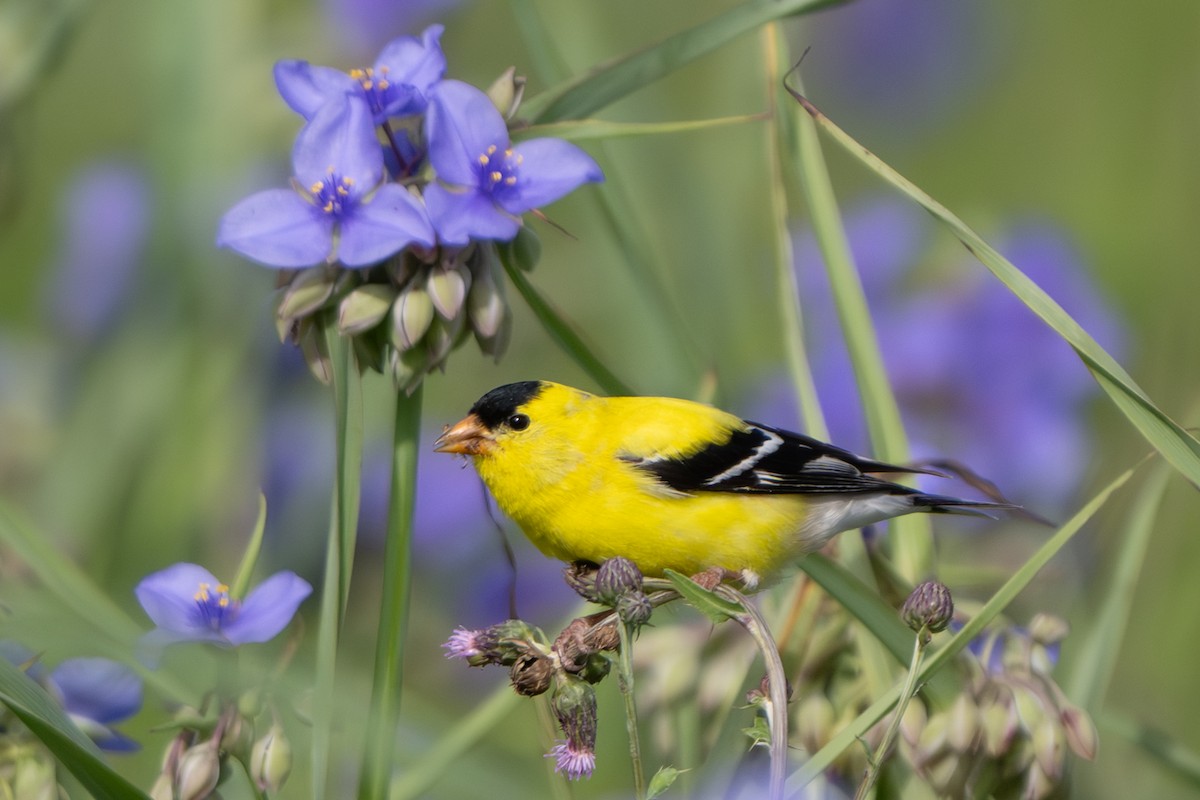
column 815, row 717
column 198, row 772
column 412, row 314
column 1038, row 784
column 35, row 779
column 250, row 703
column 485, row 304
column 932, row 741
column 506, row 92
column 929, row 608
column 524, row 251
column 315, row 350
column 962, row 730
column 307, row 292
column 1049, row 748
column 1048, row 629
column 634, row 608
column 597, row 668
column 1031, row 708
column 1000, row 724
column 1080, row 731
column 408, row 368
column 496, row 346
column 163, row 788
column 364, row 308
column 447, row 287
column 271, row 760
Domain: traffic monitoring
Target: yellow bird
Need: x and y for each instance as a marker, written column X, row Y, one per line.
column 669, row 483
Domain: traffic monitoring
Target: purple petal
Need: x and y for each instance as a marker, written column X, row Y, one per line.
column 341, row 137
column 168, row 597
column 389, row 222
column 306, row 89
column 268, row 609
column 114, row 741
column 550, row 168
column 97, row 689
column 278, row 228
column 460, row 216
column 414, row 64
column 460, row 124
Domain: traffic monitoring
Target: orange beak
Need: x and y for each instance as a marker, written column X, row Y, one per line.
column 468, row 437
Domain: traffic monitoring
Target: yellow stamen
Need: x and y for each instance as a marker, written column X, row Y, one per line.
column 383, row 84
column 483, row 161
column 222, row 588
column 491, row 149
column 511, row 180
column 316, row 187
column 495, row 176
column 328, row 207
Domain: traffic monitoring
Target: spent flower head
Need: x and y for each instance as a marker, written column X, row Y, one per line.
column 188, row 604
column 340, row 208
column 485, row 182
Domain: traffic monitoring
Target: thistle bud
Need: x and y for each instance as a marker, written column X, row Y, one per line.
column 929, row 608
column 616, row 577
column 574, row 705
column 198, row 772
column 364, row 308
column 530, row 674
column 271, row 760
column 581, row 576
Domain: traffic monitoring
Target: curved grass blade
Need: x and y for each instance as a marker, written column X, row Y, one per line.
column 1177, row 446
column 849, row 736
column 562, row 332
column 584, row 129
column 30, row 703
column 584, row 95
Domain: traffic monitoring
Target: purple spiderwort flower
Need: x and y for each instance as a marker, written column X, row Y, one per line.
column 396, row 86
column 486, row 182
column 188, row 604
column 97, row 693
column 341, row 207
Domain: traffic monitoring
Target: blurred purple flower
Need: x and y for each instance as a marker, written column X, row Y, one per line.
column 188, row 604
column 957, row 350
column 340, row 199
column 487, row 183
column 366, row 26
column 105, row 222
column 97, row 693
column 906, row 64
column 396, row 86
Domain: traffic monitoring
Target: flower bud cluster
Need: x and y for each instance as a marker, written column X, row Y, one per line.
column 404, row 316
column 192, row 763
column 1011, row 721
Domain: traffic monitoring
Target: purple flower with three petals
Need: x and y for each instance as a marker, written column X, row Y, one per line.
column 340, row 209
column 396, row 86
column 188, row 604
column 486, row 182
column 96, row 693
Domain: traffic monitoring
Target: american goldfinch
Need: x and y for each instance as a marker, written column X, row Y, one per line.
column 669, row 483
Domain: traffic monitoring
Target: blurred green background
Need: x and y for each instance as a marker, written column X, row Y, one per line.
column 139, row 434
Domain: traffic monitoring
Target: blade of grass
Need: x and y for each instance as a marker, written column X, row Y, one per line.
column 562, row 332
column 850, row 735
column 1165, row 750
column 382, row 723
column 582, row 96
column 339, row 551
column 587, row 129
column 1096, row 656
column 1178, row 446
column 253, row 547
column 30, row 703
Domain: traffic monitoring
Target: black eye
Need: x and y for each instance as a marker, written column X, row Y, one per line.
column 518, row 422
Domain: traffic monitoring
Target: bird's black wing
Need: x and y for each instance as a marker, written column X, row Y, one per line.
column 759, row 459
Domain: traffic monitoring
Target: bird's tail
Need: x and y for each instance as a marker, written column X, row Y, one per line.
column 944, row 504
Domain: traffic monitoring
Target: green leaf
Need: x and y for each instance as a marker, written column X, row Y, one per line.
column 715, row 608
column 661, row 781
column 585, row 129
column 850, row 735
column 30, row 703
column 759, row 732
column 582, row 96
column 1178, row 446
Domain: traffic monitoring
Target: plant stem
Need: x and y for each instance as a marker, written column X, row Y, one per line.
column 625, row 681
column 777, row 718
column 906, row 694
column 393, row 612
